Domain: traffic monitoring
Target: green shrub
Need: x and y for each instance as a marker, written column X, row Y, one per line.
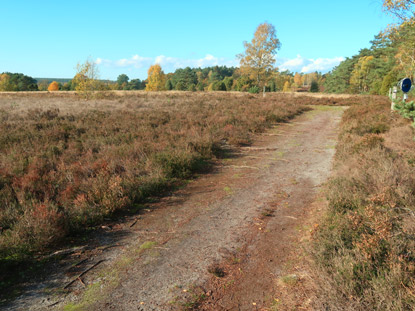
column 180, row 86
column 407, row 110
column 254, row 90
column 192, row 88
column 218, row 86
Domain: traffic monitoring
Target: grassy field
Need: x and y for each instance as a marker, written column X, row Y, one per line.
column 365, row 247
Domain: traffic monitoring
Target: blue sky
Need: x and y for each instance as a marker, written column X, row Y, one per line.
column 48, row 38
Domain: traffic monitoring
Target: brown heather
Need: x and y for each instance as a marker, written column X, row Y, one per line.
column 65, row 163
column 365, row 249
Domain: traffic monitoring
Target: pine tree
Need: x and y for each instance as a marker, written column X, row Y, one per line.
column 169, row 86
column 314, row 88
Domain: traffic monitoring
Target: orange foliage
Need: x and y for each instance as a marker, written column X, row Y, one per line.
column 54, row 86
column 298, row 79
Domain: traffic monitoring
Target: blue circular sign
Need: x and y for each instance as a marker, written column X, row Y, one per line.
column 406, row 85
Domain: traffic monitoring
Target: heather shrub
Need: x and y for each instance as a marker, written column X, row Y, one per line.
column 177, row 164
column 364, row 249
column 66, row 164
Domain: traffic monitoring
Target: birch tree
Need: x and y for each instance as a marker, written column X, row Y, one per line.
column 156, row 79
column 5, row 84
column 258, row 59
column 86, row 78
column 403, row 9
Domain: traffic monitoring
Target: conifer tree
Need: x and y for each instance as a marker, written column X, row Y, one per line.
column 314, row 87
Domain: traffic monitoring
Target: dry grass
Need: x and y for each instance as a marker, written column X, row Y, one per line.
column 365, row 247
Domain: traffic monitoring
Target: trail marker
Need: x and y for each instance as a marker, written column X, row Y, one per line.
column 405, row 85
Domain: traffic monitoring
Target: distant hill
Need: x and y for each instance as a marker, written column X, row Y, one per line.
column 60, row 80
column 50, row 80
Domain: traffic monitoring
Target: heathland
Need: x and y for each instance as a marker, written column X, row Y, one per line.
column 68, row 165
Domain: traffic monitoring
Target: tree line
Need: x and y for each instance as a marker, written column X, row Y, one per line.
column 214, row 78
column 222, row 78
column 390, row 58
column 373, row 70
column 257, row 72
column 12, row 82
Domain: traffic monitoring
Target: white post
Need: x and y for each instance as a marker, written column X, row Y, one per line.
column 395, row 90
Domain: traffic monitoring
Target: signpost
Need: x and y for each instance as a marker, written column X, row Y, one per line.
column 405, row 85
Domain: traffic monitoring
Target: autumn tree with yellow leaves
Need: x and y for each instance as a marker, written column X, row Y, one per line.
column 54, row 86
column 360, row 72
column 403, row 9
column 86, row 78
column 287, row 86
column 258, row 59
column 298, row 79
column 156, row 79
column 5, row 84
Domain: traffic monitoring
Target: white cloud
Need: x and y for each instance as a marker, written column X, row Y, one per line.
column 297, row 62
column 167, row 63
column 322, row 64
column 137, row 65
column 101, row 61
column 135, row 61
column 307, row 65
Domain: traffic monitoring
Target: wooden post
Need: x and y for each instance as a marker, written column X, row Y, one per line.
column 395, row 90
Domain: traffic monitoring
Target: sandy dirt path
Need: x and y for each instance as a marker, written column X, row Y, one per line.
column 225, row 237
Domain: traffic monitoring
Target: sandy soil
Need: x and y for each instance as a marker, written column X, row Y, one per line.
column 229, row 240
